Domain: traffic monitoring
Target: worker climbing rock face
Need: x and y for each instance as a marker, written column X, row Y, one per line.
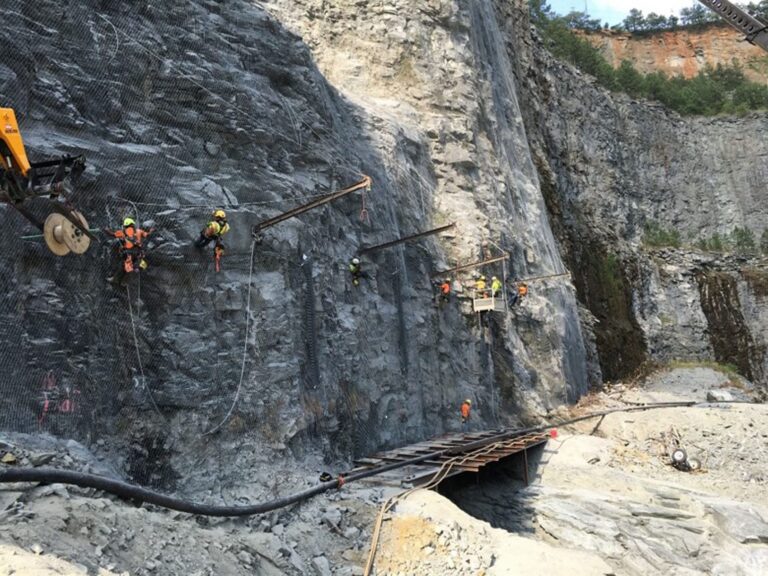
column 495, row 287
column 213, row 231
column 355, row 270
column 466, row 408
column 130, row 247
column 445, row 291
column 517, row 291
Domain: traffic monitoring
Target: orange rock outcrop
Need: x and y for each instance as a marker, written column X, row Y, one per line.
column 683, row 52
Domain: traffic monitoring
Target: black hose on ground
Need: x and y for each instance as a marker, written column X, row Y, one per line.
column 130, row 491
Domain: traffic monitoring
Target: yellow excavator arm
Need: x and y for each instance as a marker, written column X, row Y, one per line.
column 14, row 157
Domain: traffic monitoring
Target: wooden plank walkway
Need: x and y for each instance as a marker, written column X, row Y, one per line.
column 473, row 459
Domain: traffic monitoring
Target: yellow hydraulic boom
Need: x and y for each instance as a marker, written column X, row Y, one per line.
column 65, row 230
column 14, row 155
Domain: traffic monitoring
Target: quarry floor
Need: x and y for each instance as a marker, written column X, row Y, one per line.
column 604, row 500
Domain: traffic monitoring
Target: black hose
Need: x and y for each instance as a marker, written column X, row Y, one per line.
column 130, row 491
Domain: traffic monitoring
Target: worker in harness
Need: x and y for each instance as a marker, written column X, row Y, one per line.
column 355, row 270
column 445, row 291
column 480, row 286
column 213, row 232
column 517, row 292
column 496, row 287
column 130, row 248
column 466, row 408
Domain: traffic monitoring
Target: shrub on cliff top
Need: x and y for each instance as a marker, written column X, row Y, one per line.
column 743, row 240
column 714, row 90
column 657, row 236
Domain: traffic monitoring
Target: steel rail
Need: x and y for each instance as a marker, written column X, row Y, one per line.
column 470, row 266
column 756, row 32
column 364, row 183
column 405, row 239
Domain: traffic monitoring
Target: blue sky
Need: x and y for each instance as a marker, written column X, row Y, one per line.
column 614, row 11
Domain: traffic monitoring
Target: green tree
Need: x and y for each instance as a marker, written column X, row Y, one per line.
column 634, row 22
column 541, row 12
column 715, row 90
column 759, row 9
column 581, row 21
column 654, row 234
column 629, row 79
column 717, row 242
column 655, row 21
column 743, row 240
column 696, row 15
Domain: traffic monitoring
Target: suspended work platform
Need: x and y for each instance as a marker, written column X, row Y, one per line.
column 459, row 453
column 481, row 303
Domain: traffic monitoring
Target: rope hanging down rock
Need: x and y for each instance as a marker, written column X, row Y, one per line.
column 245, row 347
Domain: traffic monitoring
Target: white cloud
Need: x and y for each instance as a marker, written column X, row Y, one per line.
column 663, row 7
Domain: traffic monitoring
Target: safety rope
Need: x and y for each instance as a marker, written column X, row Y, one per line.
column 138, row 355
column 363, row 211
column 245, row 347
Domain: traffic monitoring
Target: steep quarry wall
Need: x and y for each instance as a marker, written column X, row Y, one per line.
column 458, row 116
column 683, row 52
column 196, row 105
column 609, row 165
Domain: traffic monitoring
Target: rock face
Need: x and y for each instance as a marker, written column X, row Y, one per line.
column 610, row 165
column 682, row 52
column 189, row 106
column 458, row 116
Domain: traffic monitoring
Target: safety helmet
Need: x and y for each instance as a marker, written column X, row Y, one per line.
column 468, row 401
column 128, row 222
column 494, row 278
column 447, row 280
column 219, row 214
column 355, row 260
column 482, row 277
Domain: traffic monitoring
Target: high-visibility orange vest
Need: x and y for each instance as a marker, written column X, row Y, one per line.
column 522, row 290
column 465, row 410
column 130, row 237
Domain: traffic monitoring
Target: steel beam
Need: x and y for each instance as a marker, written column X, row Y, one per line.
column 261, row 226
column 405, row 239
column 754, row 30
column 470, row 266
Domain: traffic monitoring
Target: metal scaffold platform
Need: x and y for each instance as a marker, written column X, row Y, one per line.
column 481, row 449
